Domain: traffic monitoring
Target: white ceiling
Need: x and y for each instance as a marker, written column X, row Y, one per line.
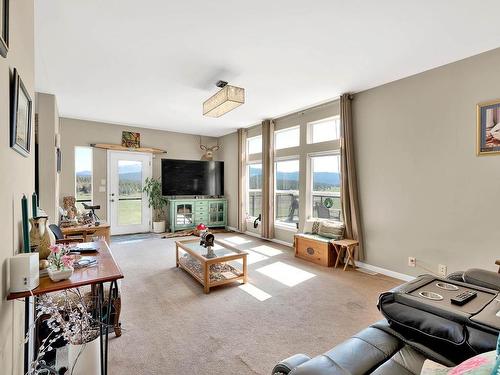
column 152, row 63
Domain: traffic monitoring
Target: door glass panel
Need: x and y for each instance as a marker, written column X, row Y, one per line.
column 129, row 192
column 184, row 214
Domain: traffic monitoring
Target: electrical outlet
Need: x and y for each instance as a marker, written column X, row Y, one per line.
column 442, row 270
column 412, row 262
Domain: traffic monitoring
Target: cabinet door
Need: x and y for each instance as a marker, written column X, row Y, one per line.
column 184, row 215
column 217, row 213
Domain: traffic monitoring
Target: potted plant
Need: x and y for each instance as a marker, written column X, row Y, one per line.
column 157, row 202
column 60, row 264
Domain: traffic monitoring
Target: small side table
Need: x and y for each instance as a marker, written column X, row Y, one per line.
column 349, row 246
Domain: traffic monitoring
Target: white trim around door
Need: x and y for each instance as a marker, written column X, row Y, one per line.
column 127, row 204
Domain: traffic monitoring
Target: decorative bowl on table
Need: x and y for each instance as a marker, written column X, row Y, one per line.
column 60, row 274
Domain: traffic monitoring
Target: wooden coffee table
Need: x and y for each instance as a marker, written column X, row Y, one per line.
column 229, row 264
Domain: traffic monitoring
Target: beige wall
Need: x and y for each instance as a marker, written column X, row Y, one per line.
column 48, row 180
column 82, row 133
column 229, row 153
column 423, row 190
column 18, row 178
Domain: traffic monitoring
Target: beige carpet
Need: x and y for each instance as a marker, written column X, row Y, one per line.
column 171, row 327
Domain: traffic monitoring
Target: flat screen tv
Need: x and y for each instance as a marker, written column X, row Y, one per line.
column 192, row 177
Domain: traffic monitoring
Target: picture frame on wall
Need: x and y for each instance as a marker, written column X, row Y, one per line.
column 4, row 27
column 488, row 128
column 20, row 116
column 131, row 139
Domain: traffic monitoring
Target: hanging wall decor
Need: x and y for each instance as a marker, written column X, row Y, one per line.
column 20, row 116
column 488, row 128
column 4, row 27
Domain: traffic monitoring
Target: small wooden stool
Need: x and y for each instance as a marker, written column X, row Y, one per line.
column 349, row 246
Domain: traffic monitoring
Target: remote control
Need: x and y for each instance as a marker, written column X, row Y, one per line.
column 463, row 298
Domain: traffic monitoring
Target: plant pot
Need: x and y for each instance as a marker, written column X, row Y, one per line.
column 85, row 359
column 158, row 226
column 59, row 275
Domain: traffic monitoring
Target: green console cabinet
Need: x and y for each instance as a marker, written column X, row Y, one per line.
column 188, row 213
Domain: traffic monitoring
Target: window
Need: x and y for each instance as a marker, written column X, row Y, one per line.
column 254, row 145
column 286, row 138
column 254, row 191
column 325, row 177
column 324, row 130
column 287, row 192
column 83, row 176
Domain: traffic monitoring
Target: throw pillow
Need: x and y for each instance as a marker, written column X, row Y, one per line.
column 332, row 229
column 315, row 227
column 311, row 226
column 481, row 364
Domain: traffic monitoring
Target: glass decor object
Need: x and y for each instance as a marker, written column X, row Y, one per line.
column 225, row 100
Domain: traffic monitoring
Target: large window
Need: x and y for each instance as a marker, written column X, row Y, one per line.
column 254, row 191
column 83, row 176
column 324, row 130
column 254, row 145
column 325, row 178
column 287, row 192
column 286, row 138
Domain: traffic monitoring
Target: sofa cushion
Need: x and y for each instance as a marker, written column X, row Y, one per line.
column 356, row 356
column 315, row 237
column 406, row 361
column 332, row 229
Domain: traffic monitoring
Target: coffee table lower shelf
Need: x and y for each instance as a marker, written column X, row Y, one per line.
column 211, row 272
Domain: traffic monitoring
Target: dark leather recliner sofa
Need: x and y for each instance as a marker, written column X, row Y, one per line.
column 399, row 344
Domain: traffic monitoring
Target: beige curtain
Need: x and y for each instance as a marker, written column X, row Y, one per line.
column 267, row 179
column 349, row 189
column 242, row 171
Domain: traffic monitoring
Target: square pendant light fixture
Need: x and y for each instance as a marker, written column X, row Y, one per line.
column 228, row 98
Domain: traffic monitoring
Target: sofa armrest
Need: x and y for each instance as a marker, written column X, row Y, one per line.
column 486, row 279
column 287, row 365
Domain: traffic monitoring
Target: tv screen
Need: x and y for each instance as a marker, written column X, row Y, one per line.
column 192, row 177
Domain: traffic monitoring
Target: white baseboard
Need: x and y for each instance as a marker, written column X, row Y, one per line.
column 383, row 271
column 258, row 236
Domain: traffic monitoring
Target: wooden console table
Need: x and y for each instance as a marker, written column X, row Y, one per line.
column 106, row 270
column 88, row 231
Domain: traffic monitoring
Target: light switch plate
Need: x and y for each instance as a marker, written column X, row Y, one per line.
column 102, row 189
column 103, row 181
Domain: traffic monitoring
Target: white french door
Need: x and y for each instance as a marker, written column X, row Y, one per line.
column 128, row 210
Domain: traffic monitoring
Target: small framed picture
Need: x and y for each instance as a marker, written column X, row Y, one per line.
column 4, row 27
column 131, row 139
column 488, row 128
column 20, row 116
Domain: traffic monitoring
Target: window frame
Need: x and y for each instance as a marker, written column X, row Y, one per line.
column 311, row 191
column 277, row 223
column 284, row 130
column 248, row 142
column 91, row 175
column 310, row 131
column 248, row 190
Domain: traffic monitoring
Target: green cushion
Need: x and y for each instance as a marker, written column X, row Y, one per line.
column 315, row 237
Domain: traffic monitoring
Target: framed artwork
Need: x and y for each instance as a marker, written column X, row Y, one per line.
column 131, row 139
column 4, row 27
column 20, row 116
column 488, row 128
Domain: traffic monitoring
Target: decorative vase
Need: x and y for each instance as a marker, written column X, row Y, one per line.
column 60, row 274
column 35, row 233
column 158, row 226
column 85, row 359
column 47, row 238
